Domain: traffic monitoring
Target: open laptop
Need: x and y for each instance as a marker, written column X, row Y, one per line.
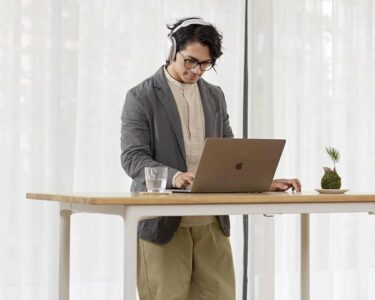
column 236, row 165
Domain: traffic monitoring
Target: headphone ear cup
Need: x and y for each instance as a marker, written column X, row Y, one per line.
column 171, row 50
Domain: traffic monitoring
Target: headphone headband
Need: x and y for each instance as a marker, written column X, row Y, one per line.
column 188, row 22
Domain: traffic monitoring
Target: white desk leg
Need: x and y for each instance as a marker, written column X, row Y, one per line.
column 64, row 254
column 305, row 257
column 130, row 258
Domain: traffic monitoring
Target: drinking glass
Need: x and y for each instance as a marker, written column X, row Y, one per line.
column 156, row 179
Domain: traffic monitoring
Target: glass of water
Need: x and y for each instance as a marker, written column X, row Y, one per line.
column 156, row 179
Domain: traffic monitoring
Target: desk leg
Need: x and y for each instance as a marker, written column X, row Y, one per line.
column 130, row 258
column 305, row 257
column 64, row 263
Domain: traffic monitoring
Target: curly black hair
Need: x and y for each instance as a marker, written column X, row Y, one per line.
column 207, row 35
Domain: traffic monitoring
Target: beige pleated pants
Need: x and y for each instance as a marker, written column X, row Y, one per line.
column 196, row 264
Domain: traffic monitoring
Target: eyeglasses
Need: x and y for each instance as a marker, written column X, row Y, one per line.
column 191, row 63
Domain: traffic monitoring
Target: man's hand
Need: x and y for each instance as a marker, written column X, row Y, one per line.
column 184, row 179
column 285, row 184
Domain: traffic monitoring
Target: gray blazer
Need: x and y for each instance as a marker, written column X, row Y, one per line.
column 151, row 135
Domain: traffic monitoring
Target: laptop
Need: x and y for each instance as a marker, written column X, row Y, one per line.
column 236, row 165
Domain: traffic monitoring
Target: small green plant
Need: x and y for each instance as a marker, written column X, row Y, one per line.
column 330, row 179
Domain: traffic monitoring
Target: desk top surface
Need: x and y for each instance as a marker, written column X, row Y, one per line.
column 224, row 198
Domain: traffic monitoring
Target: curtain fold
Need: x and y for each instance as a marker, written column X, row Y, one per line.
column 313, row 76
column 65, row 67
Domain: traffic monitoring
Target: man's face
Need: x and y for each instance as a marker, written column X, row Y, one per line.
column 191, row 54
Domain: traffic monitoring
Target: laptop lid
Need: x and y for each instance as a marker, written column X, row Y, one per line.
column 237, row 165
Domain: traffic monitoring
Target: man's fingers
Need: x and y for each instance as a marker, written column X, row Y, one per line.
column 296, row 185
column 184, row 179
column 290, row 184
column 187, row 181
column 284, row 186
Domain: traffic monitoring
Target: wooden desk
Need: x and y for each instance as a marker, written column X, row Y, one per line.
column 133, row 207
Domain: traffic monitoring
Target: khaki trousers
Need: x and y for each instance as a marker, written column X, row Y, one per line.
column 196, row 264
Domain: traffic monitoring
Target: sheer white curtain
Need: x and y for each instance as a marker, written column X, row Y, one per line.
column 65, row 67
column 313, row 83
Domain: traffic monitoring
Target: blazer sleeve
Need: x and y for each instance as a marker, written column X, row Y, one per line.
column 136, row 139
column 227, row 129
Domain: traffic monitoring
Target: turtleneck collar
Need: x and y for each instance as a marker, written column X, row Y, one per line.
column 180, row 85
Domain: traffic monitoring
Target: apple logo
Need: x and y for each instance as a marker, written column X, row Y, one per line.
column 239, row 166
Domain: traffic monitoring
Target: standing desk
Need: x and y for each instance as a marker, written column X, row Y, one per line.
column 132, row 207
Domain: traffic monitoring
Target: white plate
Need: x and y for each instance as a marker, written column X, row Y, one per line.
column 331, row 191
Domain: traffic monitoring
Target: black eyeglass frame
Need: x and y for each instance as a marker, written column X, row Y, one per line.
column 191, row 63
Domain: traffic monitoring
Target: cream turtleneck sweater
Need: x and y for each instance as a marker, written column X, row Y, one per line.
column 189, row 105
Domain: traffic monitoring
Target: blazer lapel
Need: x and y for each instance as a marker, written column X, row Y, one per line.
column 166, row 99
column 208, row 106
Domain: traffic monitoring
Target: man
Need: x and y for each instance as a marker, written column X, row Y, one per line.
column 165, row 122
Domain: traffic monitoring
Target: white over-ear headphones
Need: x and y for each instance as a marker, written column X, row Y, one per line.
column 172, row 41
